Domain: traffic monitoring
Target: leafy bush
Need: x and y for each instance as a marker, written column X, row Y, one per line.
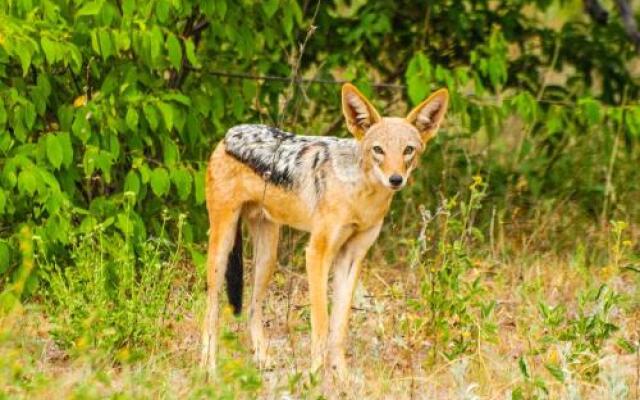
column 109, row 296
column 455, row 310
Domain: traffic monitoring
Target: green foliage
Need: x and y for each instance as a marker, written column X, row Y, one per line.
column 586, row 332
column 456, row 309
column 98, row 98
column 109, row 296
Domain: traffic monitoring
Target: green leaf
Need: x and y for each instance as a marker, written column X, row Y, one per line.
column 5, row 256
column 524, row 369
column 179, row 98
column 67, row 149
column 151, row 115
column 175, row 51
column 183, row 182
column 162, row 10
column 27, row 182
column 249, row 90
column 106, row 46
column 199, row 183
column 297, row 11
column 632, row 121
column 221, row 8
column 167, row 114
column 43, row 85
column 3, row 114
column 128, row 8
column 54, row 150
column 591, row 110
column 516, row 394
column 190, row 50
column 25, row 52
column 555, row 371
column 170, row 151
column 157, row 41
column 418, row 77
column 160, row 182
column 132, row 182
column 91, row 8
column 3, row 202
column 29, row 115
column 132, row 119
column 81, row 127
column 50, row 49
column 270, row 7
column 287, row 20
column 95, row 41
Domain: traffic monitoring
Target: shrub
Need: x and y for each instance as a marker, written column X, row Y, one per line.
column 109, row 295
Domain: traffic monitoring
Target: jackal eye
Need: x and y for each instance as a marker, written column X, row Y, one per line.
column 409, row 150
column 378, row 150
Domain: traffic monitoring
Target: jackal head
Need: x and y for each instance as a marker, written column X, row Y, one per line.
column 391, row 147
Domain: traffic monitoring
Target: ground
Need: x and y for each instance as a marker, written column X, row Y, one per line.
column 543, row 334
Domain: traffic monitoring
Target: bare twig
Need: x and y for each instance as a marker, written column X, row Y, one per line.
column 608, row 188
column 295, row 68
column 74, row 78
column 596, row 11
column 297, row 80
column 629, row 22
column 192, row 29
column 88, row 72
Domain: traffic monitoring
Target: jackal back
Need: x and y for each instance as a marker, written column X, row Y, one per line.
column 293, row 162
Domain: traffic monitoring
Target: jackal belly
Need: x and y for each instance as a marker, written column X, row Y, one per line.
column 286, row 209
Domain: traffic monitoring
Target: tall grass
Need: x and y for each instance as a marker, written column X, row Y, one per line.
column 460, row 307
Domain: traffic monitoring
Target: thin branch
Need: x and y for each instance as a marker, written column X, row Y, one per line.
column 295, row 69
column 596, row 11
column 199, row 27
column 297, row 80
column 75, row 80
column 193, row 30
column 629, row 22
column 89, row 83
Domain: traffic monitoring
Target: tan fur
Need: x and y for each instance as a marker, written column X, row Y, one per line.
column 343, row 223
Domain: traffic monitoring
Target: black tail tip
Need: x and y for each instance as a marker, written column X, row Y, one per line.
column 234, row 274
column 234, row 294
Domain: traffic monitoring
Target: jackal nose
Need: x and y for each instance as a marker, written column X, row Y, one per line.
column 396, row 180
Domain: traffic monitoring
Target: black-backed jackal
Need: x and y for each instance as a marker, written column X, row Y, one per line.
column 339, row 190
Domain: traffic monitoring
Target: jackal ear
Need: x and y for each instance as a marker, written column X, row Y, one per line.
column 428, row 115
column 359, row 113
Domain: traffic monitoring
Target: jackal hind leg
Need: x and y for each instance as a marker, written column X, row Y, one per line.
column 265, row 235
column 223, row 225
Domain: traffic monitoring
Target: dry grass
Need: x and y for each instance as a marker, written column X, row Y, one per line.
column 388, row 360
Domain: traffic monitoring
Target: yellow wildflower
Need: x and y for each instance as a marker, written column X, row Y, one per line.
column 80, row 101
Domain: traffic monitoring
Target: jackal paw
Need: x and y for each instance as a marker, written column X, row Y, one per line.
column 262, row 359
column 208, row 364
column 337, row 367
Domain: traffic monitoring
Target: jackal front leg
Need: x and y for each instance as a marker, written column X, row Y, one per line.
column 321, row 252
column 347, row 269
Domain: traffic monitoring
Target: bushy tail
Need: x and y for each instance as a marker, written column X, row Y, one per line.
column 234, row 273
